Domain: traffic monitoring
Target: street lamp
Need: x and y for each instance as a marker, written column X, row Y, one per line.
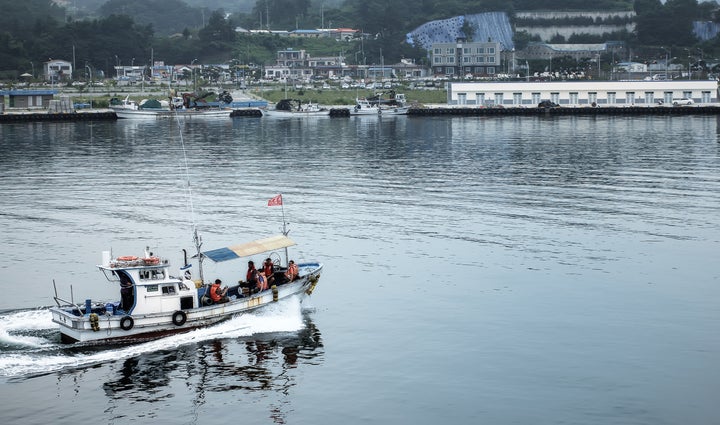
column 194, row 74
column 667, row 59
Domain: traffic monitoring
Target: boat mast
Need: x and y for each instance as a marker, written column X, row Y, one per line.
column 285, row 233
column 198, row 244
column 197, row 240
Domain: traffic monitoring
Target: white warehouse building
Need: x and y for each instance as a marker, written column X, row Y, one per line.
column 581, row 93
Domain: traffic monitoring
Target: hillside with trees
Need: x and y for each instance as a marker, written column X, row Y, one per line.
column 177, row 31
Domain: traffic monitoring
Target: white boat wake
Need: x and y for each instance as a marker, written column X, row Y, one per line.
column 26, row 352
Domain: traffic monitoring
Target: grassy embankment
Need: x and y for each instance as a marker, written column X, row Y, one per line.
column 329, row 97
column 347, row 97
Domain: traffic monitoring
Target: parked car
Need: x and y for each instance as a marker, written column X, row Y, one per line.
column 682, row 101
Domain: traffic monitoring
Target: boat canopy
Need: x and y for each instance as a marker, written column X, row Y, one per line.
column 249, row 248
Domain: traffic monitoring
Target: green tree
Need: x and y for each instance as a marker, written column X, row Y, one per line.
column 280, row 14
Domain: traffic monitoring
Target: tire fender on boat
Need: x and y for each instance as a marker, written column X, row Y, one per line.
column 179, row 318
column 127, row 323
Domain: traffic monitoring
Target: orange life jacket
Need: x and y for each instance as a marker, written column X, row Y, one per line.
column 214, row 292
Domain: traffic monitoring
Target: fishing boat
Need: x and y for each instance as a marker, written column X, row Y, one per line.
column 187, row 106
column 296, row 108
column 153, row 300
column 364, row 107
column 151, row 113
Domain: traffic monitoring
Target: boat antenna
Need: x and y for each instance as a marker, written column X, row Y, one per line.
column 197, row 240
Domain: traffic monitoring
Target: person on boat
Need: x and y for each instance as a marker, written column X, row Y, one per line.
column 269, row 271
column 292, row 271
column 251, row 278
column 262, row 282
column 217, row 294
column 127, row 298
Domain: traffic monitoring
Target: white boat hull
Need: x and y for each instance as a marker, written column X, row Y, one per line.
column 295, row 114
column 117, row 327
column 167, row 113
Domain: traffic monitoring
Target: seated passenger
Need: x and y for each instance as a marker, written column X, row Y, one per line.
column 292, row 271
column 262, row 282
column 269, row 271
column 251, row 278
column 217, row 294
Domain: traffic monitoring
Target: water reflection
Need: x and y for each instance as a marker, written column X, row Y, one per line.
column 261, row 366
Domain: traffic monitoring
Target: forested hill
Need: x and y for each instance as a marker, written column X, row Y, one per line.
column 178, row 31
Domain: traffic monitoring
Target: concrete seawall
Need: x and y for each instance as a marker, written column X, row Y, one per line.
column 629, row 110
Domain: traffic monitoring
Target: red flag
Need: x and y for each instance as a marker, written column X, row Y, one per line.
column 275, row 201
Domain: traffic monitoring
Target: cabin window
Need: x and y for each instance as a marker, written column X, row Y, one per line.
column 535, row 97
column 517, row 98
column 479, row 98
column 152, row 288
column 706, row 97
column 649, row 97
column 592, row 97
column 168, row 290
column 611, row 97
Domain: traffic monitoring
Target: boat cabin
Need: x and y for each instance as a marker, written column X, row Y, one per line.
column 149, row 282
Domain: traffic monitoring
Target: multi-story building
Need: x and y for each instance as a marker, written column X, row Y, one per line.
column 461, row 58
column 57, row 70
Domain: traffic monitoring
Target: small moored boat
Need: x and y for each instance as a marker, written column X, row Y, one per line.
column 295, row 108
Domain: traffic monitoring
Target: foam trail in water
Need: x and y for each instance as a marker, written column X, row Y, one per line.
column 285, row 316
column 26, row 320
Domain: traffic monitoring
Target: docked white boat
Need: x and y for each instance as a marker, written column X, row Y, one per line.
column 364, row 107
column 180, row 107
column 153, row 113
column 295, row 108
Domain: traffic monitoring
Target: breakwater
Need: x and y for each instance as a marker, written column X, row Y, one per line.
column 629, row 110
column 57, row 116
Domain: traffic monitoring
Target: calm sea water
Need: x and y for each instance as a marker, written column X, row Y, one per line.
column 557, row 270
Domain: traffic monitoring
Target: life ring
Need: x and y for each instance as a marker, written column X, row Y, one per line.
column 127, row 258
column 179, row 318
column 126, row 323
column 151, row 260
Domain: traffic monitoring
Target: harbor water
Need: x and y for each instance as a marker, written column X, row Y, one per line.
column 494, row 270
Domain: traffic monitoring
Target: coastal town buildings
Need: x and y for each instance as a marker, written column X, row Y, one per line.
column 56, row 71
column 582, row 93
column 463, row 58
